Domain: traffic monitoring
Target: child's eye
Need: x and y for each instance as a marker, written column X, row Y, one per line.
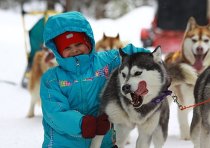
column 78, row 44
column 68, row 48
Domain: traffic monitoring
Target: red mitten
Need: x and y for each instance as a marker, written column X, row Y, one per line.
column 88, row 126
column 102, row 124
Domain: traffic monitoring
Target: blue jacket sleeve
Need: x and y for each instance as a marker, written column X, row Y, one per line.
column 112, row 57
column 56, row 109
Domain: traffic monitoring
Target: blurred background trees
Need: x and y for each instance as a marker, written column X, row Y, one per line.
column 93, row 8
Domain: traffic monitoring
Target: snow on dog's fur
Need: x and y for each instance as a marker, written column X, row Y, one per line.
column 129, row 99
column 42, row 61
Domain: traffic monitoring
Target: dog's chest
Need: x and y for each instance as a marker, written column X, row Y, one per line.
column 138, row 117
column 133, row 115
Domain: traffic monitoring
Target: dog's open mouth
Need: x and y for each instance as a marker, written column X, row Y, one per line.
column 137, row 96
column 198, row 65
column 136, row 100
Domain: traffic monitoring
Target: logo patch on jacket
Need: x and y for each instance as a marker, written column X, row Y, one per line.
column 64, row 83
column 104, row 72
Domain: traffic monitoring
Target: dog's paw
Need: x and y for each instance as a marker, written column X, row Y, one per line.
column 30, row 115
column 185, row 137
column 185, row 132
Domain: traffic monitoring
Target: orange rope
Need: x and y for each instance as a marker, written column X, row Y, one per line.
column 194, row 105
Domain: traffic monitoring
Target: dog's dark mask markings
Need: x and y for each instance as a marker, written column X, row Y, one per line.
column 129, row 61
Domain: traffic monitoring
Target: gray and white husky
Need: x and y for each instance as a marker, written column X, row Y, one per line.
column 135, row 95
column 200, row 125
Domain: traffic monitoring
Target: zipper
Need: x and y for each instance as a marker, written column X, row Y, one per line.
column 80, row 83
column 77, row 61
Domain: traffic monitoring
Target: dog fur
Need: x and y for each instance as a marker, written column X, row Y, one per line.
column 195, row 53
column 108, row 42
column 144, row 73
column 195, row 47
column 200, row 125
column 42, row 61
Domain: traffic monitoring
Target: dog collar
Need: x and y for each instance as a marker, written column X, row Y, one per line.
column 162, row 96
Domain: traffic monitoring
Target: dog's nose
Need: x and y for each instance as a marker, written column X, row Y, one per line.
column 126, row 88
column 199, row 50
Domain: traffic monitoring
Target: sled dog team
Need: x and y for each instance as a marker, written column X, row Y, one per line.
column 136, row 93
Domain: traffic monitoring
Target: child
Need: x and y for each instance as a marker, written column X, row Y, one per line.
column 70, row 92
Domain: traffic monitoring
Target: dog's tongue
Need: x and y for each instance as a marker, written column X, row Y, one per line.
column 198, row 65
column 142, row 89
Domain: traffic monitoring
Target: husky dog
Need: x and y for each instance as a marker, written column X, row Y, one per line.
column 200, row 125
column 135, row 95
column 108, row 42
column 195, row 47
column 195, row 53
column 42, row 61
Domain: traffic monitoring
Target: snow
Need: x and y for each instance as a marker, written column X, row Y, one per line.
column 20, row 132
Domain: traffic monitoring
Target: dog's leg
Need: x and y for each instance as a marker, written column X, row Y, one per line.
column 205, row 136
column 146, row 131
column 185, row 96
column 122, row 133
column 205, row 127
column 183, row 124
column 145, row 135
column 96, row 142
column 143, row 140
column 31, row 109
column 195, row 128
column 158, row 138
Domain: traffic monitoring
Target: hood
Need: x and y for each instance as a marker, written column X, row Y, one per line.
column 73, row 22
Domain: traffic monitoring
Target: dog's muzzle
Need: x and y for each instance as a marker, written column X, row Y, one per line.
column 136, row 100
column 136, row 96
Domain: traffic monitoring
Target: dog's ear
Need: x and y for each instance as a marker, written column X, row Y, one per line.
column 122, row 54
column 118, row 36
column 191, row 24
column 157, row 54
column 104, row 36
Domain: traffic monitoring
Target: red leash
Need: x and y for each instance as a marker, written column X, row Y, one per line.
column 194, row 105
column 181, row 107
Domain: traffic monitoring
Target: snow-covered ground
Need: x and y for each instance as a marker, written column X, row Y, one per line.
column 17, row 131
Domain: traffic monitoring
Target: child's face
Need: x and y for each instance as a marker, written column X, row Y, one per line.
column 75, row 49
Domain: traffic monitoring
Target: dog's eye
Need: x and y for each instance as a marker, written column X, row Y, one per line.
column 194, row 40
column 137, row 73
column 206, row 40
column 123, row 75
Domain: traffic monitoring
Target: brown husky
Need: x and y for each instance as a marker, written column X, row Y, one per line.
column 42, row 61
column 194, row 53
column 108, row 42
column 195, row 47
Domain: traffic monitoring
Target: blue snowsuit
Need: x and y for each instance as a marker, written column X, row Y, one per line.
column 71, row 90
